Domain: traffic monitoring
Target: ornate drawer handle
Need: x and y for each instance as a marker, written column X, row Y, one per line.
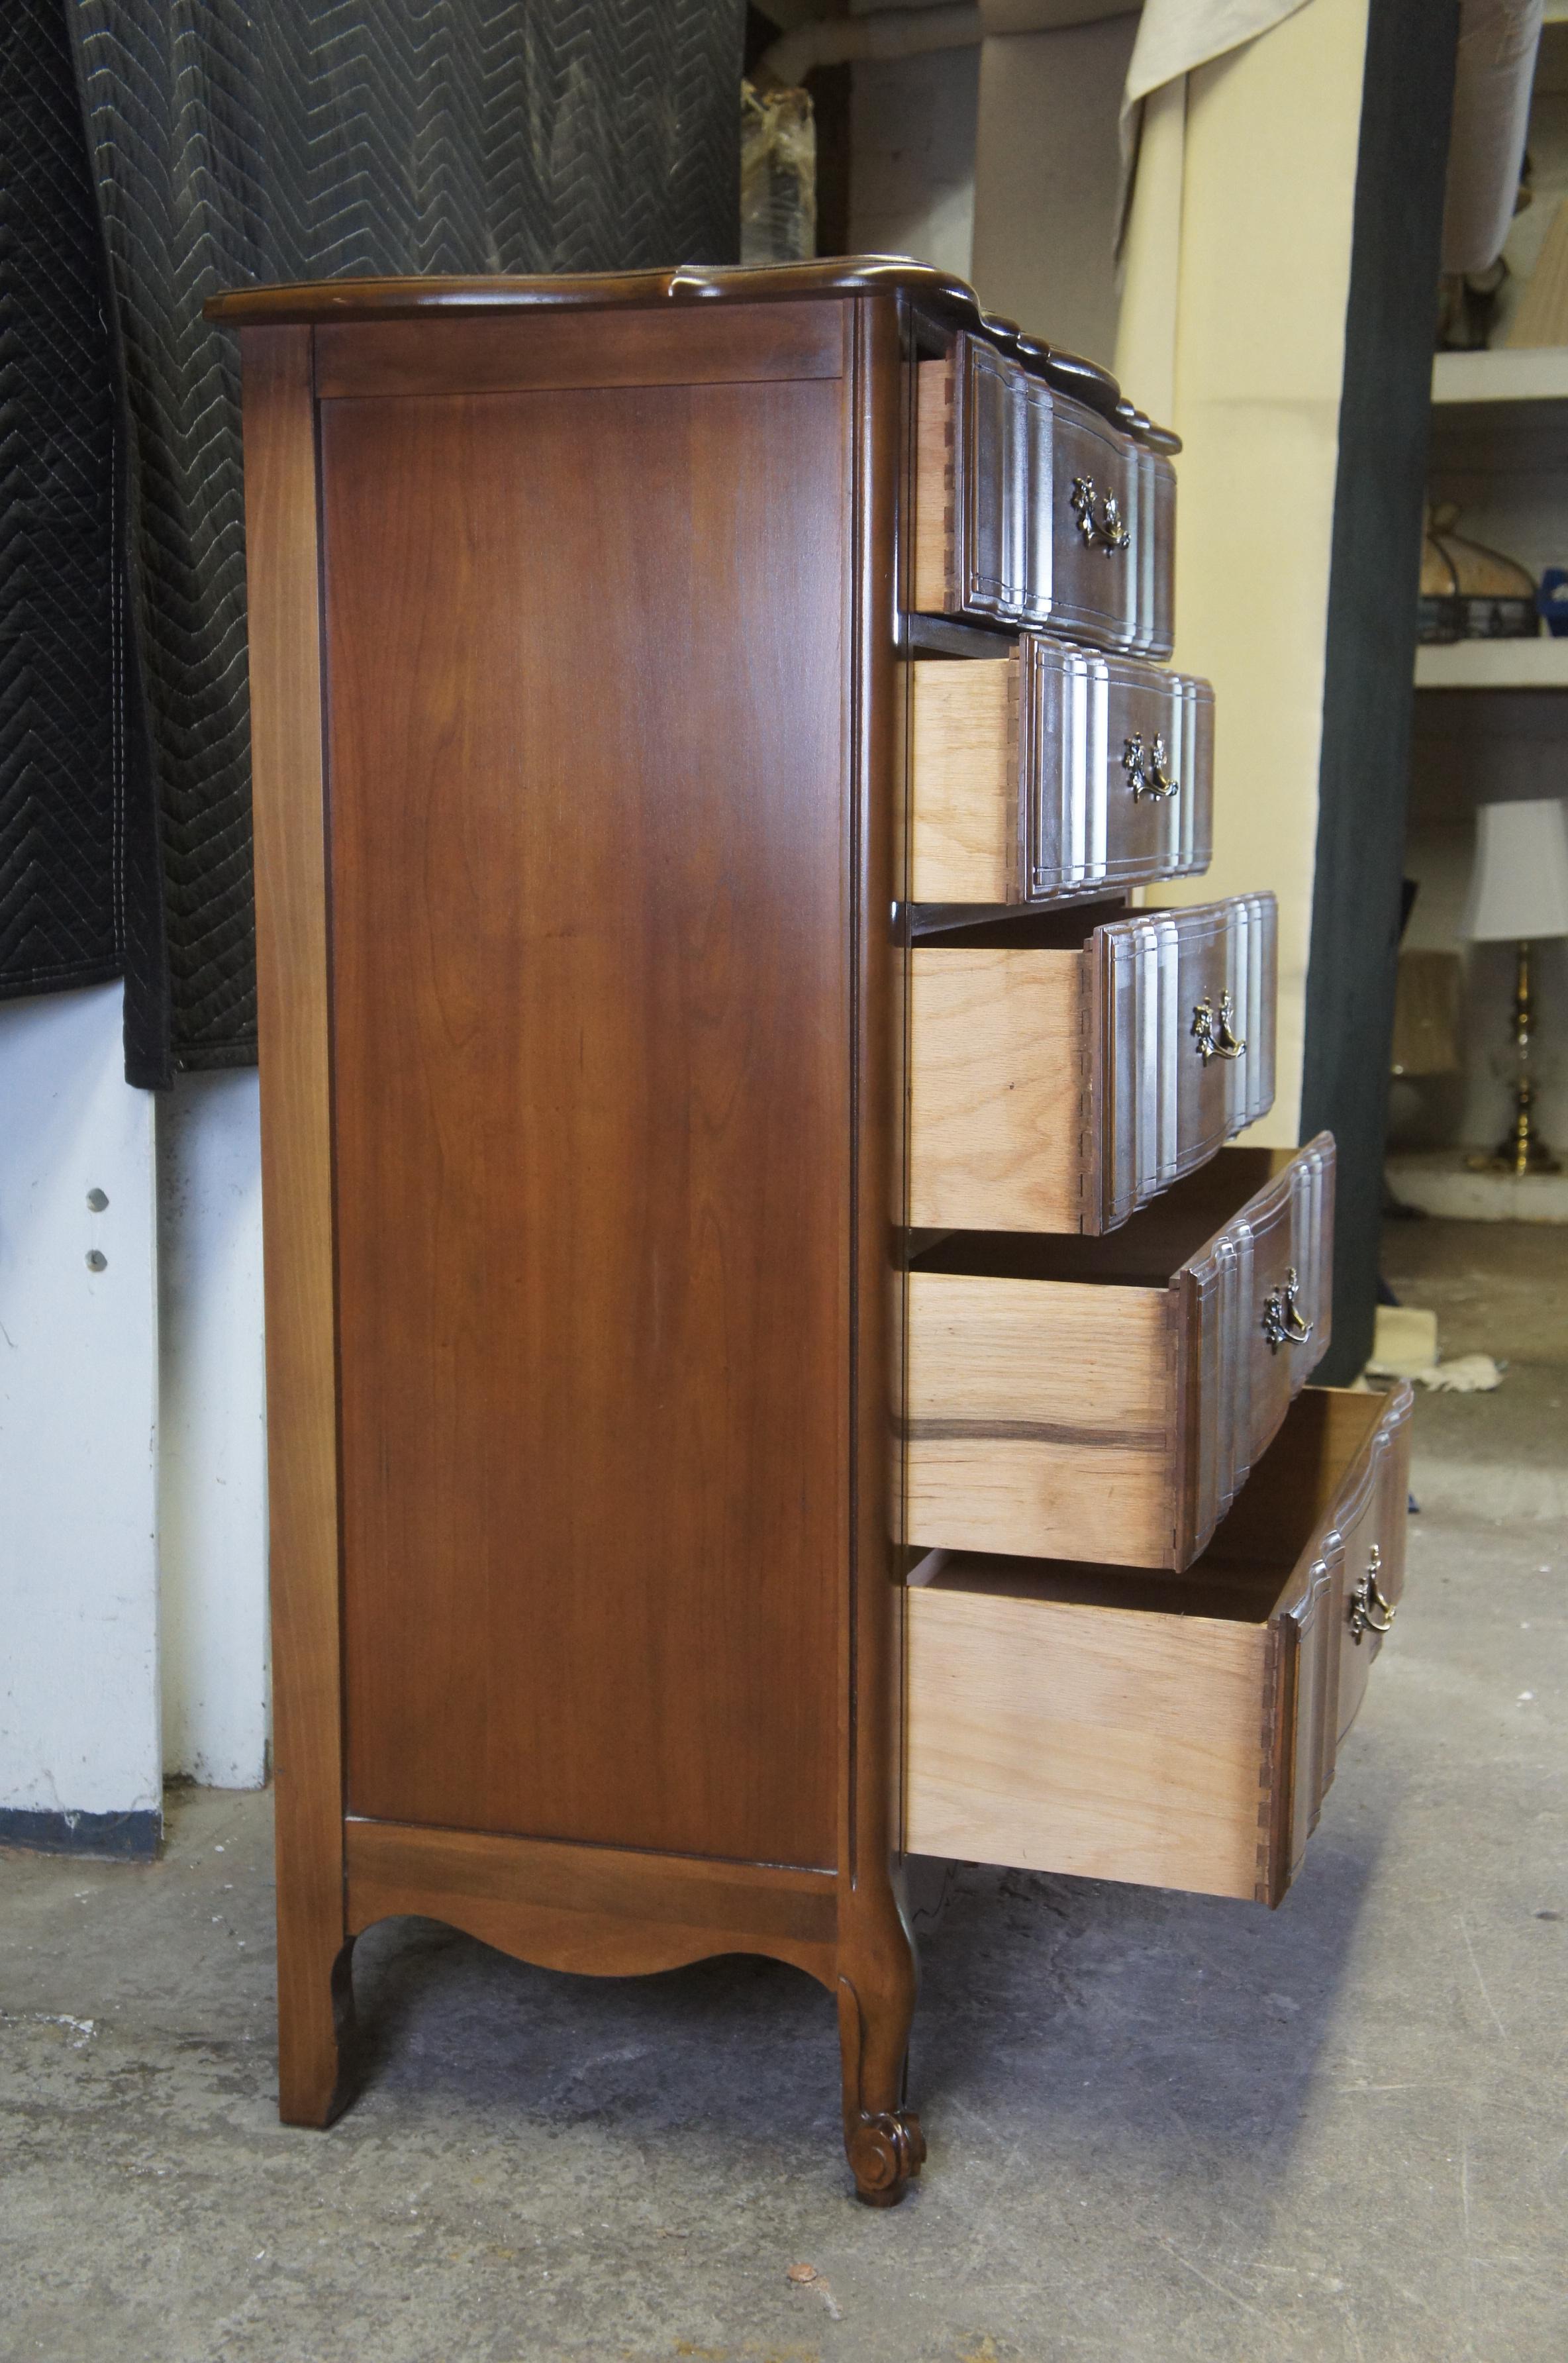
column 1099, row 515
column 1146, row 773
column 1212, row 1030
column 1368, row 1605
column 1282, row 1323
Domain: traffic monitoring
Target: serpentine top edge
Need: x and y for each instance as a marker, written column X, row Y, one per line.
column 952, row 299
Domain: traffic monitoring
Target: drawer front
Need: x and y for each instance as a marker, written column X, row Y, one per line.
column 1056, row 775
column 1052, row 517
column 1116, row 770
column 1181, row 1014
column 1322, row 1665
column 1132, row 1729
column 1104, row 1401
column 1253, row 1323
column 1061, row 1090
column 1373, row 1531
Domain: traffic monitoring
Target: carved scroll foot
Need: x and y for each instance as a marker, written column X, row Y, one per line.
column 885, row 2155
column 882, row 2138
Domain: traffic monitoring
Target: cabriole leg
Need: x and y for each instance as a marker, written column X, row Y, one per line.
column 882, row 2138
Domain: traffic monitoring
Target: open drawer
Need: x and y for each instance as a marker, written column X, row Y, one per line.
column 1104, row 1399
column 1178, row 1731
column 1047, row 772
column 1061, row 1074
column 1032, row 507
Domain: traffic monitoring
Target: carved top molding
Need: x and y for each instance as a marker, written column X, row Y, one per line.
column 950, row 300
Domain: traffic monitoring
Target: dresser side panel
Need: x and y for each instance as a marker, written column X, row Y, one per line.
column 589, row 863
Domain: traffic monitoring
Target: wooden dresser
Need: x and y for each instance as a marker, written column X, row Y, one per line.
column 772, row 1366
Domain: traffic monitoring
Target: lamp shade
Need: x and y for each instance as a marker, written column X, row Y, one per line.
column 1519, row 887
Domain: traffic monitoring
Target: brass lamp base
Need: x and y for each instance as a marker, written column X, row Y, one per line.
column 1521, row 1149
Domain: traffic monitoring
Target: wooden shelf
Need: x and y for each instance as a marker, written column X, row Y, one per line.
column 1529, row 373
column 1494, row 664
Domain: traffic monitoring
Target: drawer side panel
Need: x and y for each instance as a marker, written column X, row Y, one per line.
column 963, row 763
column 1029, row 1399
column 996, row 1090
column 1102, row 1744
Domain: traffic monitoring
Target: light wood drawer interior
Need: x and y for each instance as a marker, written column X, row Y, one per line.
column 1047, row 772
column 1177, row 1731
column 1104, row 1399
column 1057, row 1080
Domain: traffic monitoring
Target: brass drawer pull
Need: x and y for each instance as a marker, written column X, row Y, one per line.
column 1282, row 1323
column 1145, row 769
column 1212, row 1030
column 1368, row 1605
column 1098, row 517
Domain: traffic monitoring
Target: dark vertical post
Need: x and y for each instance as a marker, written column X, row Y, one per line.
column 1367, row 688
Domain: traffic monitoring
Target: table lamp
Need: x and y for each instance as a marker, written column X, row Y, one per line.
column 1519, row 893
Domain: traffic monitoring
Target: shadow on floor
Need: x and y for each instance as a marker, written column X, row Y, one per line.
column 1075, row 2007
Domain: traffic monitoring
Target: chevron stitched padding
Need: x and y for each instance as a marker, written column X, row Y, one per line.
column 289, row 139
column 60, row 802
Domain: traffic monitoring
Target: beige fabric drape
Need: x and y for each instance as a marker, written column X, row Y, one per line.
column 1174, row 38
column 1494, row 73
column 1237, row 272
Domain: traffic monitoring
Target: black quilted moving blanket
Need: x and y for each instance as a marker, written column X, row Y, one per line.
column 307, row 139
column 64, row 784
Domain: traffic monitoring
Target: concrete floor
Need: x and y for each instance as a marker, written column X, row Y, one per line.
column 1161, row 2127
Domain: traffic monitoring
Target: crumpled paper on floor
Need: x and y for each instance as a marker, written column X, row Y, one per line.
column 1468, row 1374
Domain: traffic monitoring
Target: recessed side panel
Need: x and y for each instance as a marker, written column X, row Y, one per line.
column 588, row 866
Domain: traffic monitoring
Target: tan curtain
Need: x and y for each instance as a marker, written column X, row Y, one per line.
column 1236, row 275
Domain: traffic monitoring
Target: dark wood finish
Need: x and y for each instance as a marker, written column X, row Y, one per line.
column 1341, row 1469
column 1118, row 826
column 512, row 352
column 592, row 1157
column 878, row 1969
column 1054, row 1089
column 1142, row 1137
column 1179, row 1730
column 950, row 301
column 1060, row 776
column 595, row 1910
column 1385, row 1526
column 600, row 1366
column 1104, row 1399
column 282, row 530
column 1005, row 459
column 583, row 789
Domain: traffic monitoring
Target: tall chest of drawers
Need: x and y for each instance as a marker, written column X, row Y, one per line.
column 772, row 1366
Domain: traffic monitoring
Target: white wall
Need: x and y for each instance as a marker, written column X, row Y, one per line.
column 79, row 1709
column 1047, row 179
column 213, row 1511
column 912, row 157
